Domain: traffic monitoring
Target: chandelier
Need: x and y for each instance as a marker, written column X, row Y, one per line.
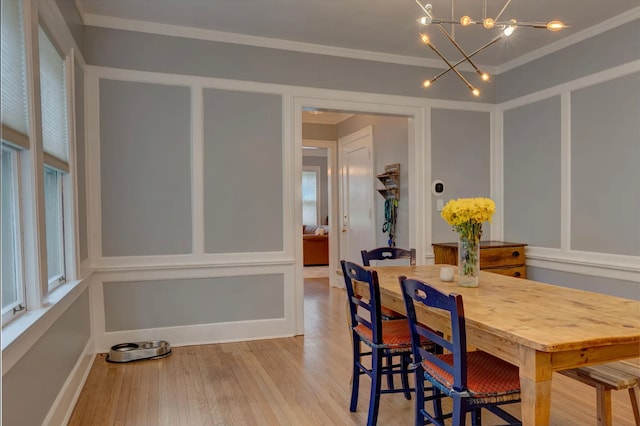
column 505, row 27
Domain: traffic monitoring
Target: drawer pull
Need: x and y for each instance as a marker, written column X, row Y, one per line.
column 515, row 253
column 516, row 274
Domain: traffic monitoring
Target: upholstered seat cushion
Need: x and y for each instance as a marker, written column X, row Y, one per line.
column 489, row 379
column 395, row 334
column 390, row 313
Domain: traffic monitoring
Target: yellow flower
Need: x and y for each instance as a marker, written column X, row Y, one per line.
column 466, row 215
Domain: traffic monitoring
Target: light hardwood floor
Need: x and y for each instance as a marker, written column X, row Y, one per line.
column 302, row 380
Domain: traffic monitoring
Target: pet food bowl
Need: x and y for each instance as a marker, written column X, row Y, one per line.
column 126, row 352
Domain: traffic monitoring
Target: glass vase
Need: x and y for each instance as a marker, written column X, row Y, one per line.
column 468, row 262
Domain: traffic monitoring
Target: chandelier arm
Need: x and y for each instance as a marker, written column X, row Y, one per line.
column 462, row 60
column 467, row 58
column 424, row 9
column 451, row 66
column 542, row 25
column 502, row 10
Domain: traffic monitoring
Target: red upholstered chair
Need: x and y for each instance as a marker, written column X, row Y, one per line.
column 474, row 380
column 384, row 338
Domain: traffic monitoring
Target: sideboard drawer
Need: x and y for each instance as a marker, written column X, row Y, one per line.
column 516, row 271
column 504, row 256
column 495, row 256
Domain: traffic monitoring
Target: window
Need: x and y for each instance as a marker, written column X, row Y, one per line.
column 310, row 195
column 12, row 283
column 54, row 226
column 55, row 143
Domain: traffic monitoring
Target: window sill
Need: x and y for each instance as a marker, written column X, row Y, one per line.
column 22, row 333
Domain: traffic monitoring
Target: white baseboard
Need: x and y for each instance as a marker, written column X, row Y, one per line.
column 201, row 334
column 65, row 402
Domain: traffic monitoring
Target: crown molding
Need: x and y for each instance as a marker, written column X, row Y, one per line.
column 104, row 21
column 271, row 43
column 600, row 28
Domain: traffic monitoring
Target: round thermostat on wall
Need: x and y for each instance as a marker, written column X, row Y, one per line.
column 437, row 187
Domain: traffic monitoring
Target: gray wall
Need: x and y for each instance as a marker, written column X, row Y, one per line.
column 73, row 20
column 33, row 383
column 311, row 160
column 145, row 167
column 601, row 52
column 151, row 52
column 605, row 167
column 242, row 172
column 170, row 303
column 460, row 158
column 619, row 288
column 390, row 145
column 604, row 152
column 532, row 170
column 322, row 132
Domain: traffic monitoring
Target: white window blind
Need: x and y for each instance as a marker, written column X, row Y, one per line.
column 53, row 93
column 14, row 82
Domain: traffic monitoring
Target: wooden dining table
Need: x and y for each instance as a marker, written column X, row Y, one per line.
column 539, row 327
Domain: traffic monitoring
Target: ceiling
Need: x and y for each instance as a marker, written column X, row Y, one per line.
column 388, row 27
column 324, row 117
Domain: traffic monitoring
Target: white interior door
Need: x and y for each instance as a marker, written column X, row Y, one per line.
column 357, row 221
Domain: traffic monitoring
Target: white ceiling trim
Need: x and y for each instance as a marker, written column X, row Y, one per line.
column 607, row 25
column 272, row 43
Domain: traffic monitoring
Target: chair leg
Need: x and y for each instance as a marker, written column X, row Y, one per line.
column 458, row 418
column 389, row 359
column 376, row 378
column 476, row 417
column 404, row 365
column 603, row 396
column 634, row 404
column 419, row 406
column 355, row 377
column 437, row 403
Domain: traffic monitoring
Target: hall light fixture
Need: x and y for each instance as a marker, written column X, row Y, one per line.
column 505, row 27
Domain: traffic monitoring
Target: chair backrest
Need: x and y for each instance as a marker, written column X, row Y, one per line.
column 385, row 253
column 415, row 291
column 354, row 272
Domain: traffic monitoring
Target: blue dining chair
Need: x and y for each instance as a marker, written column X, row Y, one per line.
column 388, row 253
column 384, row 338
column 381, row 255
column 474, row 380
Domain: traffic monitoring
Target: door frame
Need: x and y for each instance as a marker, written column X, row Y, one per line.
column 419, row 170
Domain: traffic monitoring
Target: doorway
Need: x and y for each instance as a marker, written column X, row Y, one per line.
column 381, row 128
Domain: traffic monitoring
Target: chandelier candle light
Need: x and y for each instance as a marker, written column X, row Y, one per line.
column 466, row 216
column 505, row 27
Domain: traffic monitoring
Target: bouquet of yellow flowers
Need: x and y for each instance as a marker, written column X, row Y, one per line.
column 466, row 215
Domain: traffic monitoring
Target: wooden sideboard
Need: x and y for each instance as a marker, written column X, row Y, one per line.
column 495, row 256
